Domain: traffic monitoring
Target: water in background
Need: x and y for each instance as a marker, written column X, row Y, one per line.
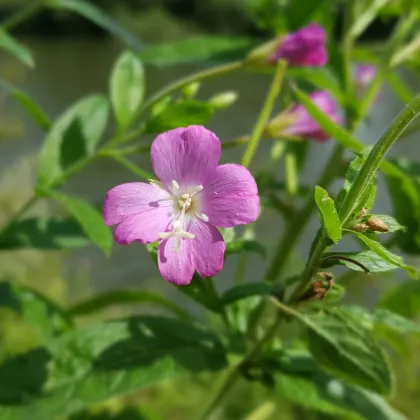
column 68, row 70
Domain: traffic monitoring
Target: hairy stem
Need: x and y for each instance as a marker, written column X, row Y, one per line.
column 265, row 113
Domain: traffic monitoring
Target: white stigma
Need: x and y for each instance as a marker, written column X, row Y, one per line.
column 176, row 233
column 203, row 216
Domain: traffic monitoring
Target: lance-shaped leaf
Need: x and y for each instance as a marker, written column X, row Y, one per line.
column 328, row 214
column 8, row 43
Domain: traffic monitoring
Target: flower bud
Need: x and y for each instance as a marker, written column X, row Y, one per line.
column 360, row 227
column 362, row 213
column 377, row 225
column 191, row 90
column 223, row 100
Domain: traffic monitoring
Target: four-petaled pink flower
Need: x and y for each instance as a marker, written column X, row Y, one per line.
column 182, row 209
column 305, row 47
column 303, row 125
column 364, row 74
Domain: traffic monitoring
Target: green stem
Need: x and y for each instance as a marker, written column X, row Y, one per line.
column 362, row 180
column 347, row 48
column 234, row 372
column 179, row 84
column 30, row 9
column 265, row 113
column 298, row 223
column 20, row 213
column 130, row 166
column 291, row 172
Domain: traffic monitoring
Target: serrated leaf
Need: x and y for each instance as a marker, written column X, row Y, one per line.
column 30, row 106
column 180, row 114
column 300, row 379
column 127, row 297
column 202, row 290
column 385, row 254
column 328, row 214
column 370, row 259
column 44, row 233
column 333, row 129
column 73, row 136
column 89, row 218
column 245, row 291
column 345, row 348
column 127, row 88
column 198, row 49
column 101, row 361
column 92, row 13
column 9, row 44
column 45, row 317
column 238, row 246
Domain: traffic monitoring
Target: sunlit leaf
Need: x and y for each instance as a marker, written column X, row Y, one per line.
column 385, row 254
column 197, row 49
column 92, row 364
column 45, row 318
column 28, row 104
column 127, row 88
column 73, row 137
column 92, row 13
column 8, row 43
column 369, row 14
column 328, row 214
column 89, row 218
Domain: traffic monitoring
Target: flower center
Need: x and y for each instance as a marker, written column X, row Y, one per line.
column 186, row 204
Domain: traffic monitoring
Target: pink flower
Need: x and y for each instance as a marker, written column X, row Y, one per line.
column 182, row 209
column 305, row 47
column 304, row 125
column 364, row 74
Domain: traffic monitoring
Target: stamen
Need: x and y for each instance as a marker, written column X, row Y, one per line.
column 203, row 216
column 176, row 233
column 175, row 185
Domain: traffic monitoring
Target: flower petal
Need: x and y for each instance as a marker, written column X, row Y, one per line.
column 143, row 227
column 187, row 155
column 230, row 198
column 207, row 247
column 176, row 267
column 133, row 198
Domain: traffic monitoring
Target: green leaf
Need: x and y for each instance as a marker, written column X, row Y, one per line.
column 345, row 348
column 127, row 297
column 73, row 137
column 89, row 218
column 46, row 318
column 12, row 46
column 367, row 199
column 181, row 114
column 403, row 92
column 101, row 361
column 367, row 17
column 92, row 13
column 27, row 103
column 127, row 88
column 328, row 214
column 198, row 49
column 370, row 259
column 333, row 129
column 238, row 246
column 245, row 291
column 385, row 254
column 202, row 291
column 300, row 379
column 321, row 78
column 403, row 299
column 44, row 233
column 391, row 222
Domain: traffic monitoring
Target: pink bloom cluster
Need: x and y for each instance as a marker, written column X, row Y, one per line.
column 303, row 125
column 181, row 210
column 305, row 47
